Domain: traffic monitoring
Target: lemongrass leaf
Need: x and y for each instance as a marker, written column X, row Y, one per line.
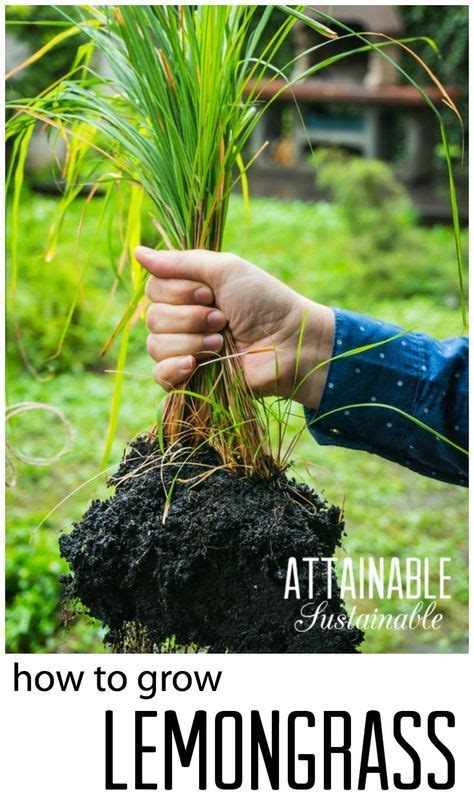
column 116, row 397
column 18, row 186
column 396, row 410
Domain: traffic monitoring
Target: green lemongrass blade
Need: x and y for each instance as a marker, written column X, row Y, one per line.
column 284, row 406
column 12, row 162
column 101, row 217
column 20, row 155
column 56, row 40
column 64, row 331
column 116, row 397
column 70, row 495
column 49, row 23
column 431, row 43
column 277, row 401
column 75, row 491
column 263, row 441
column 314, row 24
column 258, row 32
column 133, row 235
column 299, row 345
column 202, row 397
column 81, row 274
column 411, row 418
column 350, row 352
column 18, row 186
column 114, row 217
column 330, row 60
column 268, row 53
column 245, row 188
column 455, row 218
column 406, row 40
column 128, row 313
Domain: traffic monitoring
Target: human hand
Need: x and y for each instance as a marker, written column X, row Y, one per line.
column 195, row 293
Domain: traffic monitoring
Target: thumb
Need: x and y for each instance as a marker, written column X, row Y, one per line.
column 193, row 264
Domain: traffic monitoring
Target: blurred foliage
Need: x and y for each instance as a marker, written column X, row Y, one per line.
column 35, row 320
column 34, row 596
column 278, row 17
column 375, row 206
column 54, row 65
column 449, row 27
column 312, row 247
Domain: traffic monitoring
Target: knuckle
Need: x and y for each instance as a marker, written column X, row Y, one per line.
column 207, row 257
column 197, row 319
column 181, row 259
column 229, row 261
column 181, row 292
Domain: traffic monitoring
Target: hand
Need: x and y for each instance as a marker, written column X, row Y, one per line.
column 195, row 293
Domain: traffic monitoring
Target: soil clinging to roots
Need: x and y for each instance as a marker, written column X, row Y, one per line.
column 213, row 574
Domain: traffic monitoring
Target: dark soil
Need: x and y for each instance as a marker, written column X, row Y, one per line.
column 214, row 574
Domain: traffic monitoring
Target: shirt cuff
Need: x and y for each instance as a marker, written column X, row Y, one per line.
column 386, row 374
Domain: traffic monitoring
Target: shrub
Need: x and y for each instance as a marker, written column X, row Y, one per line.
column 34, row 595
column 40, row 309
column 375, row 205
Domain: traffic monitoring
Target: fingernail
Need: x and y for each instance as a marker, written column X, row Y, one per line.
column 186, row 362
column 216, row 319
column 143, row 251
column 213, row 342
column 203, row 296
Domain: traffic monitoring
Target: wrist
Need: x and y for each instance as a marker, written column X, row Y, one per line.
column 316, row 348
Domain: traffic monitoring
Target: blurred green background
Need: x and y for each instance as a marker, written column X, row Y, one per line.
column 371, row 256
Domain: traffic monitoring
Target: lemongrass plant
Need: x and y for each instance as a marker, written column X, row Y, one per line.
column 170, row 124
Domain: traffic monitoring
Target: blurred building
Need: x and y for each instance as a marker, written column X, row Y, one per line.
column 358, row 103
column 337, row 117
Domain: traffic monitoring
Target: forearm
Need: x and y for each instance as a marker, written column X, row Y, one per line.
column 424, row 378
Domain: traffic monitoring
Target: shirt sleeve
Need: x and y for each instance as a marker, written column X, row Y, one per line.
column 425, row 378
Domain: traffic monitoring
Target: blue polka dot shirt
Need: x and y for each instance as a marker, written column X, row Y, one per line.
column 414, row 373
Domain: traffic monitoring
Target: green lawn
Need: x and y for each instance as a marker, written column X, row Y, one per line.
column 389, row 511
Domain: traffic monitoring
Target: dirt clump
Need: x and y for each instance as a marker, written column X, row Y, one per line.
column 213, row 574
